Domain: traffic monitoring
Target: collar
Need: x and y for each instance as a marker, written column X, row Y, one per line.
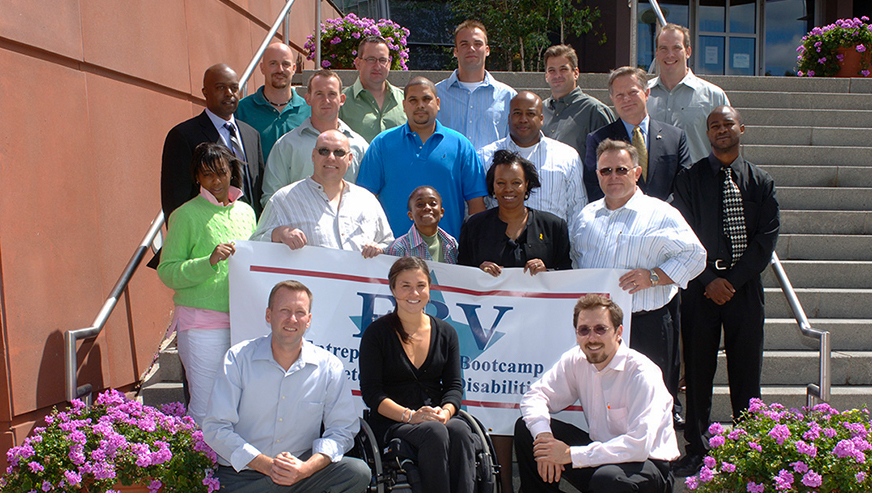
column 439, row 129
column 716, row 164
column 633, row 204
column 294, row 104
column 643, row 125
column 263, row 352
column 358, row 88
column 573, row 96
column 454, row 81
column 306, row 126
column 317, row 186
column 219, row 122
column 513, row 145
column 234, row 194
column 690, row 80
column 619, row 360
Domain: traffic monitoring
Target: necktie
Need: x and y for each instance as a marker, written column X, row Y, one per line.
column 734, row 217
column 236, row 147
column 639, row 144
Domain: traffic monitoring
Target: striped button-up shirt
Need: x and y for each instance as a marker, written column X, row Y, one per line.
column 412, row 244
column 482, row 116
column 303, row 205
column 562, row 192
column 643, row 234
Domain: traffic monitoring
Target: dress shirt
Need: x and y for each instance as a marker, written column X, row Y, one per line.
column 259, row 408
column 481, row 115
column 699, row 193
column 397, row 162
column 562, row 192
column 362, row 113
column 569, row 119
column 256, row 111
column 304, row 205
column 687, row 107
column 626, row 405
column 483, row 238
column 222, row 129
column 412, row 244
column 643, row 234
column 643, row 126
column 291, row 157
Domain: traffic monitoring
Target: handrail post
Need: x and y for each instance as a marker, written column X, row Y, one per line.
column 243, row 79
column 317, row 35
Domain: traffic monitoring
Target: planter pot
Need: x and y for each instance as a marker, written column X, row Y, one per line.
column 850, row 65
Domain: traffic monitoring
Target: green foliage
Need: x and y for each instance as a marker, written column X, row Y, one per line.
column 818, row 53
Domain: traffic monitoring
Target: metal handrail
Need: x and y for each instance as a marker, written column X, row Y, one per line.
column 243, row 80
column 73, row 391
column 822, row 389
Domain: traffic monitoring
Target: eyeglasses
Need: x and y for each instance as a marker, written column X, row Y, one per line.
column 373, row 60
column 585, row 331
column 336, row 152
column 621, row 171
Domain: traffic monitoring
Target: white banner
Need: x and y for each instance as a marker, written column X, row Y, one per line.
column 511, row 328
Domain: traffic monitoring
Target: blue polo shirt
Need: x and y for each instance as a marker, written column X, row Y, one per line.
column 256, row 111
column 397, row 162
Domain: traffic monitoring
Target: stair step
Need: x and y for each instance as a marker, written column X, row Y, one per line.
column 819, row 176
column 731, row 83
column 778, row 99
column 160, row 393
column 809, row 117
column 826, row 222
column 808, row 155
column 802, row 367
column 807, row 135
column 822, row 303
column 823, row 274
column 170, row 365
column 845, row 334
column 825, row 198
column 824, row 247
column 793, row 396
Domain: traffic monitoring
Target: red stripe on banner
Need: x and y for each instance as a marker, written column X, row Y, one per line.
column 498, row 405
column 435, row 287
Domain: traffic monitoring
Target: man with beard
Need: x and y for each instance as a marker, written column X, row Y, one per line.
column 628, row 410
column 276, row 108
column 423, row 152
column 214, row 124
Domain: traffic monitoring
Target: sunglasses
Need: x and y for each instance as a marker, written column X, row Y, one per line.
column 585, row 331
column 336, row 152
column 620, row 171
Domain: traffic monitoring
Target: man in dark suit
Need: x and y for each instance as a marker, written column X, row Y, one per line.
column 662, row 148
column 215, row 124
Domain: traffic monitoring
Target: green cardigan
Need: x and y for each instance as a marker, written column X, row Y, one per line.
column 194, row 230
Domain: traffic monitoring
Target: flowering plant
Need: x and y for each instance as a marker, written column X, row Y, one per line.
column 818, row 53
column 116, row 440
column 340, row 37
column 774, row 449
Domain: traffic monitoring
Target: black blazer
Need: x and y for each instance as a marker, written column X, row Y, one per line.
column 667, row 154
column 176, row 185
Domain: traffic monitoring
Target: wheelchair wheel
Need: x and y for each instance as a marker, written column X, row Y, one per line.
column 487, row 471
column 366, row 448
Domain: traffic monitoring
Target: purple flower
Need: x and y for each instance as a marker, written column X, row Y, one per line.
column 35, row 466
column 72, row 477
column 755, row 446
column 325, row 63
column 691, row 482
column 735, row 434
column 355, row 35
column 817, row 44
column 154, row 486
column 840, row 57
column 754, row 487
column 784, row 480
column 812, row 479
column 335, row 41
column 804, row 448
column 755, row 405
column 822, row 60
column 710, row 462
column 46, row 486
column 780, row 433
column 799, row 466
column 861, row 48
column 865, row 73
column 727, row 467
column 845, row 448
column 715, row 429
column 706, row 475
column 716, row 441
column 810, row 73
column 860, row 476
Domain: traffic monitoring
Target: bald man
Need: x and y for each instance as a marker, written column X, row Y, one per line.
column 276, row 108
column 325, row 209
column 562, row 192
column 215, row 124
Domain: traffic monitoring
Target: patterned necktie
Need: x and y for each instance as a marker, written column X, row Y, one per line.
column 639, row 144
column 734, row 217
column 236, row 147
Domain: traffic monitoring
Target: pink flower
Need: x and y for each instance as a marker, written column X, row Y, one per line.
column 755, row 446
column 811, row 73
column 799, row 466
column 860, row 476
column 727, row 467
column 754, row 487
column 840, row 57
column 325, row 63
column 861, row 48
column 784, row 480
column 710, row 462
column 865, row 73
column 780, row 433
column 716, row 441
column 691, row 482
column 812, row 479
column 804, row 448
column 715, row 429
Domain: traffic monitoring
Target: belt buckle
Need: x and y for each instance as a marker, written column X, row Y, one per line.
column 718, row 265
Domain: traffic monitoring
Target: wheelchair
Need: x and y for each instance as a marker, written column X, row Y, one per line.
column 394, row 469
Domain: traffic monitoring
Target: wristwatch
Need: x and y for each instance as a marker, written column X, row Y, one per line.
column 654, row 277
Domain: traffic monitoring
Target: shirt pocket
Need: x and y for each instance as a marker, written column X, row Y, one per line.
column 618, row 420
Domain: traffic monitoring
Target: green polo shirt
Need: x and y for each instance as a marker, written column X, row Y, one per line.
column 362, row 114
column 256, row 111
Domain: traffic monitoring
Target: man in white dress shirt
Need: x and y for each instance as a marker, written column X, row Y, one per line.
column 628, row 409
column 628, row 229
column 272, row 397
column 562, row 192
column 324, row 209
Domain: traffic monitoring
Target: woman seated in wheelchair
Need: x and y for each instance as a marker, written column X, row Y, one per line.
column 410, row 376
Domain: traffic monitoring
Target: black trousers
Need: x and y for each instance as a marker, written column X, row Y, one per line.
column 651, row 476
column 446, row 454
column 742, row 321
column 655, row 335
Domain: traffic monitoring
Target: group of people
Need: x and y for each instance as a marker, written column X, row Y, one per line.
column 469, row 171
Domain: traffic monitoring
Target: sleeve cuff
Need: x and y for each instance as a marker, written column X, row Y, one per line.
column 539, row 426
column 242, row 456
column 327, row 447
column 579, row 456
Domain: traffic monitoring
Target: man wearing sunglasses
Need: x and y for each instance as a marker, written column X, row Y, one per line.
column 662, row 148
column 290, row 159
column 325, row 209
column 628, row 410
column 372, row 104
column 627, row 229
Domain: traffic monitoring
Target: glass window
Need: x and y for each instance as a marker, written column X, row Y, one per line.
column 675, row 11
column 711, row 16
column 710, row 56
column 743, row 16
column 786, row 24
column 743, row 58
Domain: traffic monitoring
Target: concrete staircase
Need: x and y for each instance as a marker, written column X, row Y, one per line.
column 813, row 137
